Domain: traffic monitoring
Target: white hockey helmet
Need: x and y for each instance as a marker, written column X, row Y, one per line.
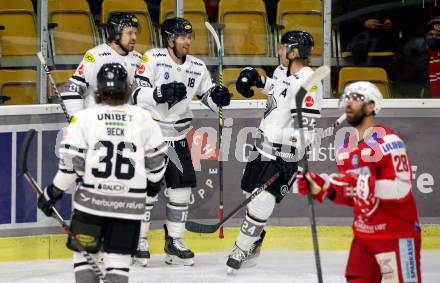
column 368, row 90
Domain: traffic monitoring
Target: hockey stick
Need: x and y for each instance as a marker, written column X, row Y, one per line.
column 318, row 75
column 207, row 228
column 211, row 228
column 53, row 84
column 34, row 185
column 220, row 123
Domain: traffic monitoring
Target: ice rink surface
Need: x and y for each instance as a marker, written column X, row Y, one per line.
column 273, row 267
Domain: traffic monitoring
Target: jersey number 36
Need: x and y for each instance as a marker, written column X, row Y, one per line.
column 118, row 161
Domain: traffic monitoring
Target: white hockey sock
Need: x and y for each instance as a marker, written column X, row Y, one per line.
column 177, row 211
column 258, row 211
column 146, row 221
column 83, row 271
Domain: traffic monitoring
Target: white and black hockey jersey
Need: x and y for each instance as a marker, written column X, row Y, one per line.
column 279, row 73
column 159, row 68
column 114, row 150
column 277, row 126
column 79, row 91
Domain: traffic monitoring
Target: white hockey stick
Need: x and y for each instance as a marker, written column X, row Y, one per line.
column 53, row 84
column 220, row 122
column 317, row 76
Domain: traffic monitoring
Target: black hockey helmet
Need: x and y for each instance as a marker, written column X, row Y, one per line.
column 116, row 23
column 298, row 39
column 174, row 27
column 112, row 81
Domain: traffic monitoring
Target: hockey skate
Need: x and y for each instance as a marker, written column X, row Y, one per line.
column 142, row 255
column 176, row 252
column 239, row 258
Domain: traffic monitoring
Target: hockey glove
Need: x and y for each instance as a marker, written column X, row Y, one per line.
column 170, row 93
column 220, row 95
column 315, row 183
column 48, row 199
column 248, row 78
column 359, row 187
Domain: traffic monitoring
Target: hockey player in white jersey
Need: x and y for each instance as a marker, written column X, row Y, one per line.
column 278, row 148
column 121, row 39
column 250, row 77
column 166, row 82
column 114, row 149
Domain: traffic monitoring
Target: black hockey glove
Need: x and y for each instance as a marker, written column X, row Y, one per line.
column 248, row 78
column 170, row 93
column 48, row 199
column 220, row 95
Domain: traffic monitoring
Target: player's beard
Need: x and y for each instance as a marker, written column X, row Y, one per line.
column 357, row 118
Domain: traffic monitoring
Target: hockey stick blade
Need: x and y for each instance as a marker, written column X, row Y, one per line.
column 24, row 149
column 318, row 75
column 214, row 35
column 211, row 228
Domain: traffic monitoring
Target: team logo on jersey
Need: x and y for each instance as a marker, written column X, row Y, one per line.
column 309, row 101
column 144, row 59
column 73, row 120
column 166, row 75
column 141, row 69
column 271, row 104
column 111, row 188
column 89, row 57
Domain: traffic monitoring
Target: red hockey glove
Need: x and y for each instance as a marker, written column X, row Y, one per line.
column 357, row 186
column 361, row 188
column 317, row 184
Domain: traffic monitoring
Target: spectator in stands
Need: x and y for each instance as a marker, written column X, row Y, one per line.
column 432, row 40
column 368, row 26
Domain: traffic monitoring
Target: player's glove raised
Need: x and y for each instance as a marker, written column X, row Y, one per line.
column 248, row 78
column 48, row 199
column 171, row 92
column 220, row 95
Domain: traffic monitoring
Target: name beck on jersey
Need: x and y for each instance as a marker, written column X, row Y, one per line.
column 115, row 122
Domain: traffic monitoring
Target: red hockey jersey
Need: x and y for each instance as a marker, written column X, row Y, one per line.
column 393, row 212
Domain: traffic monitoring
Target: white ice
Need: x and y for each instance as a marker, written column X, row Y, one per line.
column 273, row 267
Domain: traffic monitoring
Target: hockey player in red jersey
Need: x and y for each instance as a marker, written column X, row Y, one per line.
column 375, row 179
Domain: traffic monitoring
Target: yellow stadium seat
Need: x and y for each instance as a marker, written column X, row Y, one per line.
column 376, row 75
column 246, row 30
column 195, row 12
column 145, row 36
column 60, row 77
column 74, row 32
column 19, row 86
column 305, row 15
column 230, row 76
column 18, row 35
